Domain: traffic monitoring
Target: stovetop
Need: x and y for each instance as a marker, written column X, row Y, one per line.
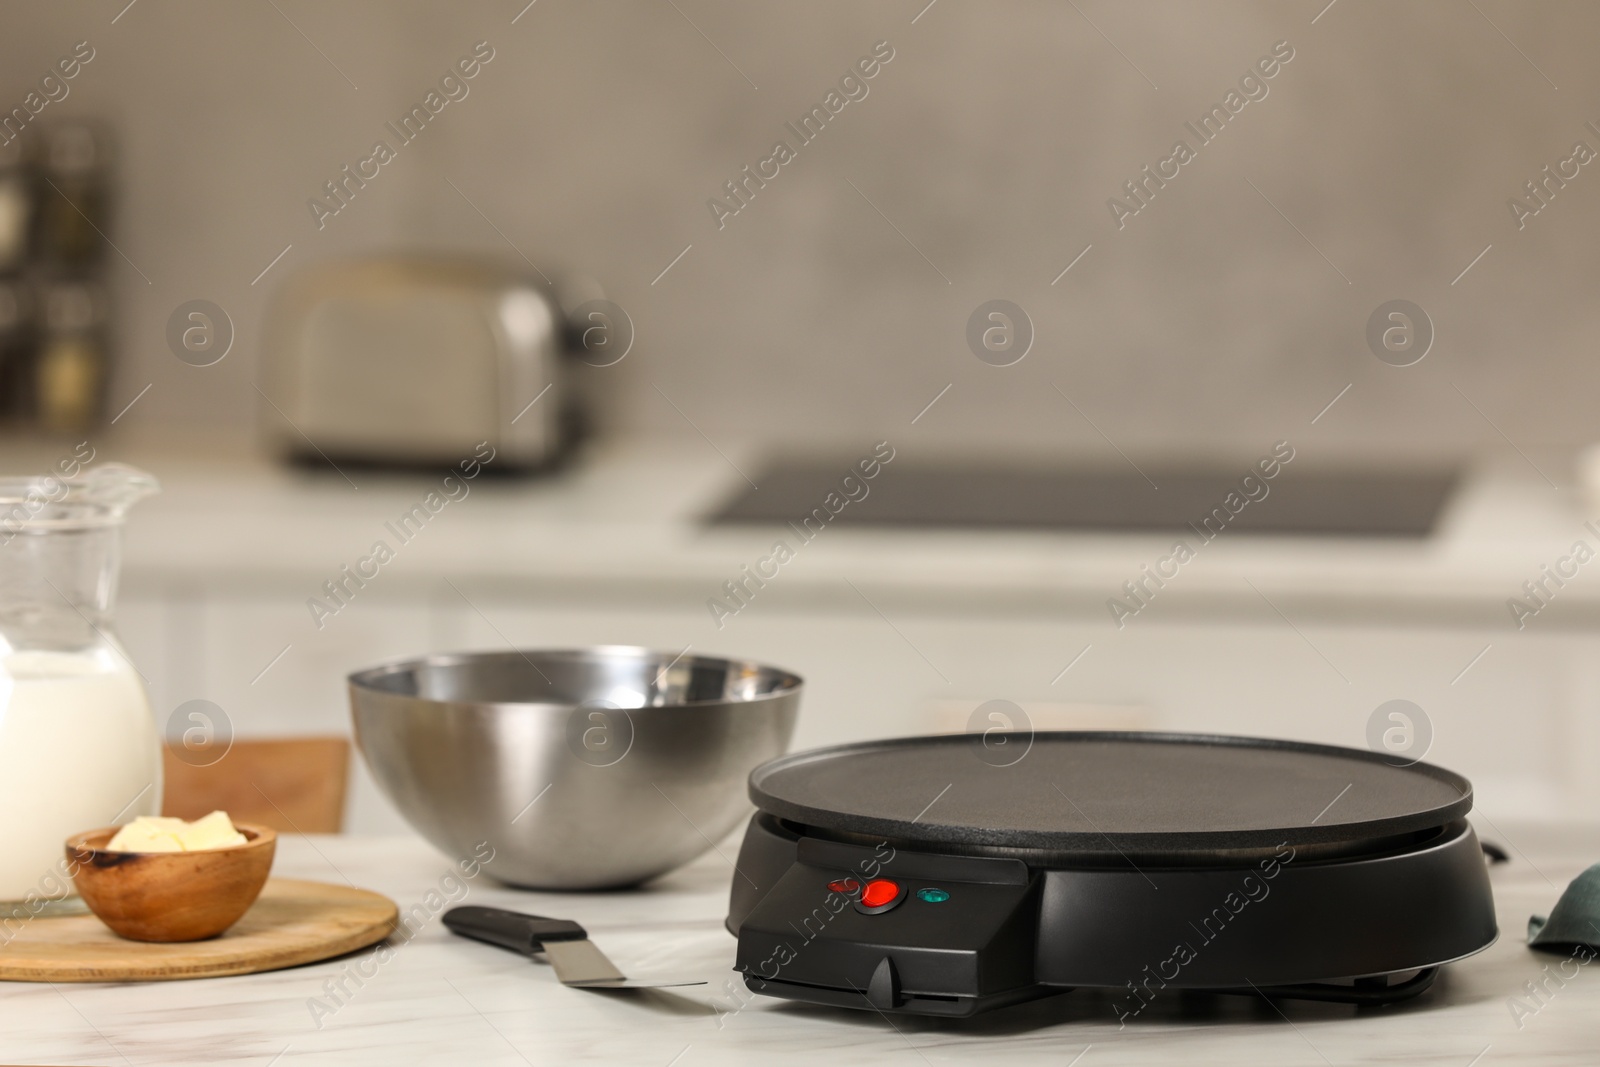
column 1305, row 500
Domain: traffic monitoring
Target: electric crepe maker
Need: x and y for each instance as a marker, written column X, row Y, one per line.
column 938, row 876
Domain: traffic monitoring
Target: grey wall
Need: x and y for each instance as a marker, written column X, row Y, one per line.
column 992, row 141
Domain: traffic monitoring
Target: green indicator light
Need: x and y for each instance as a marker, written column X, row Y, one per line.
column 933, row 896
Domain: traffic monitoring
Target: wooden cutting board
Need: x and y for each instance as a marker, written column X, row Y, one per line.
column 291, row 923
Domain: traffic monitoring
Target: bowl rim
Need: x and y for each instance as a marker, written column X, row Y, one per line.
column 790, row 683
column 263, row 835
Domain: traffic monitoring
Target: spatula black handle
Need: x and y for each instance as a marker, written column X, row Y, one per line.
column 511, row 929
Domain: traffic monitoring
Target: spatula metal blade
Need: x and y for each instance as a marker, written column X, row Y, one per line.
column 581, row 964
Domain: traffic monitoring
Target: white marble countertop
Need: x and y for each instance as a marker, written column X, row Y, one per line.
column 624, row 523
column 442, row 999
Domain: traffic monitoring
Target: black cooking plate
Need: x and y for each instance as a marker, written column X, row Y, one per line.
column 1080, row 791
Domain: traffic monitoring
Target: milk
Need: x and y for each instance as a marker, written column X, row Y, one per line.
column 78, row 751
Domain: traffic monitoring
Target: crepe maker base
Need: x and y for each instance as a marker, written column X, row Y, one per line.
column 950, row 875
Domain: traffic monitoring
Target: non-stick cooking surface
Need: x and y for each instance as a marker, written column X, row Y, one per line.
column 1130, row 791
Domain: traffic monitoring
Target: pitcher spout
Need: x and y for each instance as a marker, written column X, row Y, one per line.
column 90, row 497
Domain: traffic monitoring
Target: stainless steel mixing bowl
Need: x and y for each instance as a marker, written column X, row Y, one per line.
column 585, row 769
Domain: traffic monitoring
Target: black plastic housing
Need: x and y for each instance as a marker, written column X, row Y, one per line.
column 1017, row 926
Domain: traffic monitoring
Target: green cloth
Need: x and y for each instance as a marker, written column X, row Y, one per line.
column 1575, row 920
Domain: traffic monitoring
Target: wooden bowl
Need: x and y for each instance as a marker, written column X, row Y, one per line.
column 170, row 896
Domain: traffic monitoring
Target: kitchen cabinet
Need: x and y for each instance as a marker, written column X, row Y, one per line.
column 1520, row 722
column 896, row 632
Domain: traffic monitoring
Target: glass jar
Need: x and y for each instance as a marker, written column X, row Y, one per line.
column 79, row 747
column 16, row 205
column 74, row 215
column 70, row 368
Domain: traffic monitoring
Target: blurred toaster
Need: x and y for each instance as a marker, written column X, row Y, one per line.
column 415, row 361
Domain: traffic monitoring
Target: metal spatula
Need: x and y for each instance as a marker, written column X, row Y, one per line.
column 576, row 960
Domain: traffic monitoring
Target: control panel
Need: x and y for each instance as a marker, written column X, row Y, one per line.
column 943, row 935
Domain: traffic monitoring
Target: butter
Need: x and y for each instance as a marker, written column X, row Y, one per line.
column 211, row 831
column 148, row 833
column 160, row 833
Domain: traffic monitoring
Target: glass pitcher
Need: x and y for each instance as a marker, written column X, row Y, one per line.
column 78, row 743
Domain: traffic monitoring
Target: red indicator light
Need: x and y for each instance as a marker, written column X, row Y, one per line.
column 845, row 885
column 879, row 891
